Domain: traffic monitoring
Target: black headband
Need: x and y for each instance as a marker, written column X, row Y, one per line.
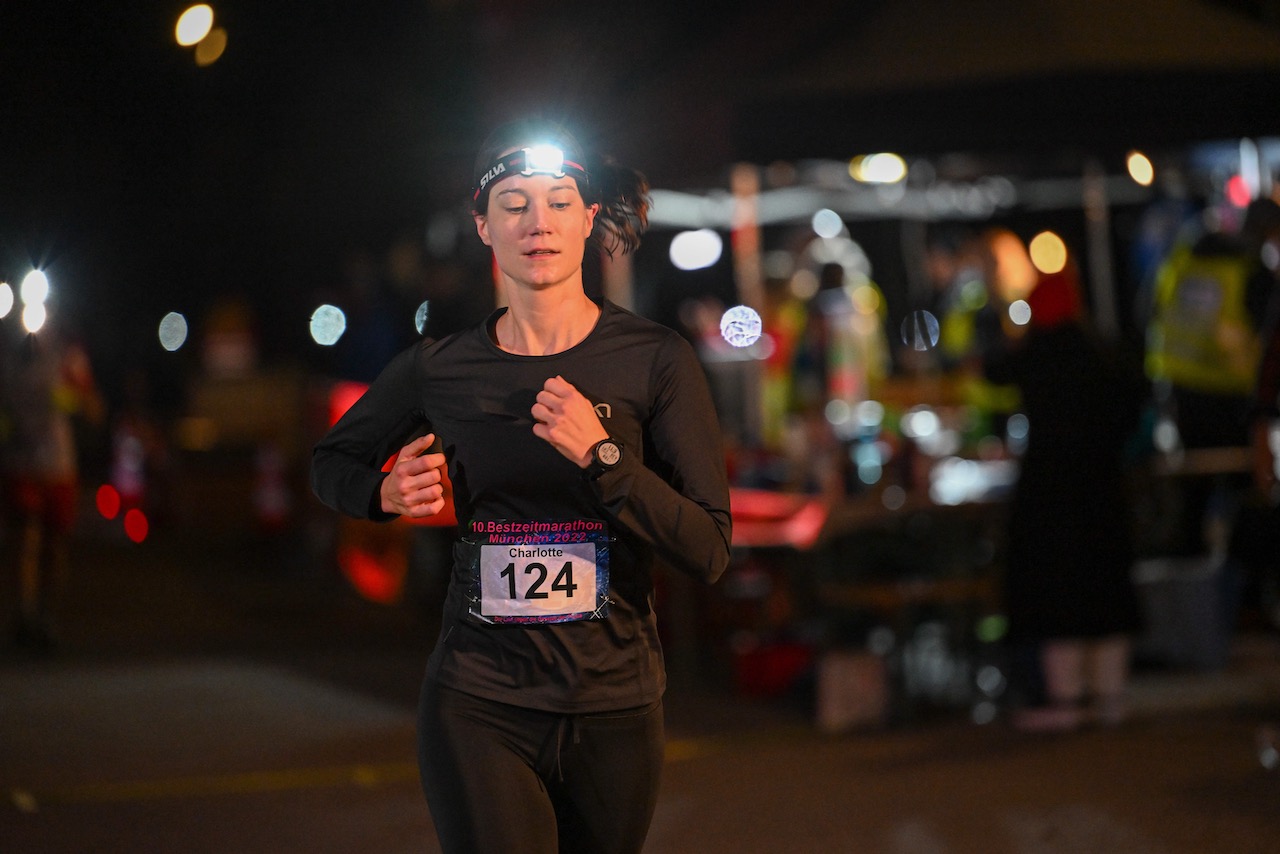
column 535, row 160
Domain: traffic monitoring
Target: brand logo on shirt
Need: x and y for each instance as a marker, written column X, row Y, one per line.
column 603, row 410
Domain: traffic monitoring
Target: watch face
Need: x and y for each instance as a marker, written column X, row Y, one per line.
column 608, row 453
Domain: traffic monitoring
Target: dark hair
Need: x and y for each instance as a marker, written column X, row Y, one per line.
column 622, row 193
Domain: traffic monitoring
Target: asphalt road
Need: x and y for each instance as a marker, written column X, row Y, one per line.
column 209, row 697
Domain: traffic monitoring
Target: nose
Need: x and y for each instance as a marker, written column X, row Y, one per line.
column 539, row 220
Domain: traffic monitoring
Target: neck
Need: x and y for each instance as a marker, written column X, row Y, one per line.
column 540, row 323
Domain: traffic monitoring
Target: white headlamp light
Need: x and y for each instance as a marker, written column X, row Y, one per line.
column 543, row 160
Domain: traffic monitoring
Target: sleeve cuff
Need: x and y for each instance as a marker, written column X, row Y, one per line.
column 375, row 511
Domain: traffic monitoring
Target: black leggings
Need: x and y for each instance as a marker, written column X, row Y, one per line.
column 505, row 779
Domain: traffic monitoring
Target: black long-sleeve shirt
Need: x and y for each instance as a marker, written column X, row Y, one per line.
column 666, row 503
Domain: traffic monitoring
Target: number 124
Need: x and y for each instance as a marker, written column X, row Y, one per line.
column 563, row 582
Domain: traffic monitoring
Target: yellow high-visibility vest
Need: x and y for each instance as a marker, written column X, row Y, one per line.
column 1201, row 336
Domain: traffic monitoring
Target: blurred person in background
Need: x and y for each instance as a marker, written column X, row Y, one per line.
column 1203, row 343
column 1203, row 351
column 585, row 457
column 47, row 383
column 1068, row 591
column 1173, row 218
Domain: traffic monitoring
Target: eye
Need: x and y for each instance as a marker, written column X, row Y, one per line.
column 560, row 206
column 515, row 209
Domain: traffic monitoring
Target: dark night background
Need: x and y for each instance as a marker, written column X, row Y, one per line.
column 143, row 184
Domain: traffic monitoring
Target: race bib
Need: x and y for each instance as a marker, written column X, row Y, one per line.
column 538, row 572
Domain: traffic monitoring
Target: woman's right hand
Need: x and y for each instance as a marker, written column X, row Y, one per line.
column 414, row 486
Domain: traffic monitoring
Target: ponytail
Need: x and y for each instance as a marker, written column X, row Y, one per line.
column 623, row 196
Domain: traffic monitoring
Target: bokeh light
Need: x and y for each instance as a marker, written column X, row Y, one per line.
column 173, row 331
column 920, row 330
column 696, row 250
column 1014, row 274
column 34, row 316
column 984, row 712
column 804, row 284
column 1020, row 312
column 893, row 497
column 1048, row 253
column 107, row 500
column 881, row 640
column 869, row 414
column 866, row 299
column 740, row 326
column 1268, row 740
column 868, row 458
column 992, row 628
column 827, row 223
column 884, row 168
column 955, row 480
column 193, row 25
column 1269, row 255
column 421, row 316
column 1238, row 192
column 920, row 421
column 35, row 287
column 1140, row 168
column 136, row 526
column 327, row 325
column 6, row 299
column 1017, row 430
column 838, row 413
column 1166, row 436
column 211, row 47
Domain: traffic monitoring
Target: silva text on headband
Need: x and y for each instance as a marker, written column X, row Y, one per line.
column 535, row 160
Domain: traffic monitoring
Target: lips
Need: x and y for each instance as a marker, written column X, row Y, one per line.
column 540, row 253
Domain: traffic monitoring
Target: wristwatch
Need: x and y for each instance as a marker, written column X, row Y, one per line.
column 605, row 455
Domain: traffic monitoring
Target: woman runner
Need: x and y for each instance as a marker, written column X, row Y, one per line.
column 585, row 458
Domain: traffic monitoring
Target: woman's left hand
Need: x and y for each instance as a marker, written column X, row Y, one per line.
column 567, row 420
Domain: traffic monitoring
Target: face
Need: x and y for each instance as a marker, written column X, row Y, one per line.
column 537, row 227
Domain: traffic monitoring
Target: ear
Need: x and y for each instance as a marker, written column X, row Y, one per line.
column 592, row 210
column 482, row 228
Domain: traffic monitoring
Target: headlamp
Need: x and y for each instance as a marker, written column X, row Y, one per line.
column 535, row 160
column 544, row 159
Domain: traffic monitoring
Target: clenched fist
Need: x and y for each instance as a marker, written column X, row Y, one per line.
column 566, row 419
column 414, row 485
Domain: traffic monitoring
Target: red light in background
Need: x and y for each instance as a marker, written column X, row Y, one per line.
column 342, row 396
column 1238, row 191
column 135, row 525
column 108, row 501
column 378, row 577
